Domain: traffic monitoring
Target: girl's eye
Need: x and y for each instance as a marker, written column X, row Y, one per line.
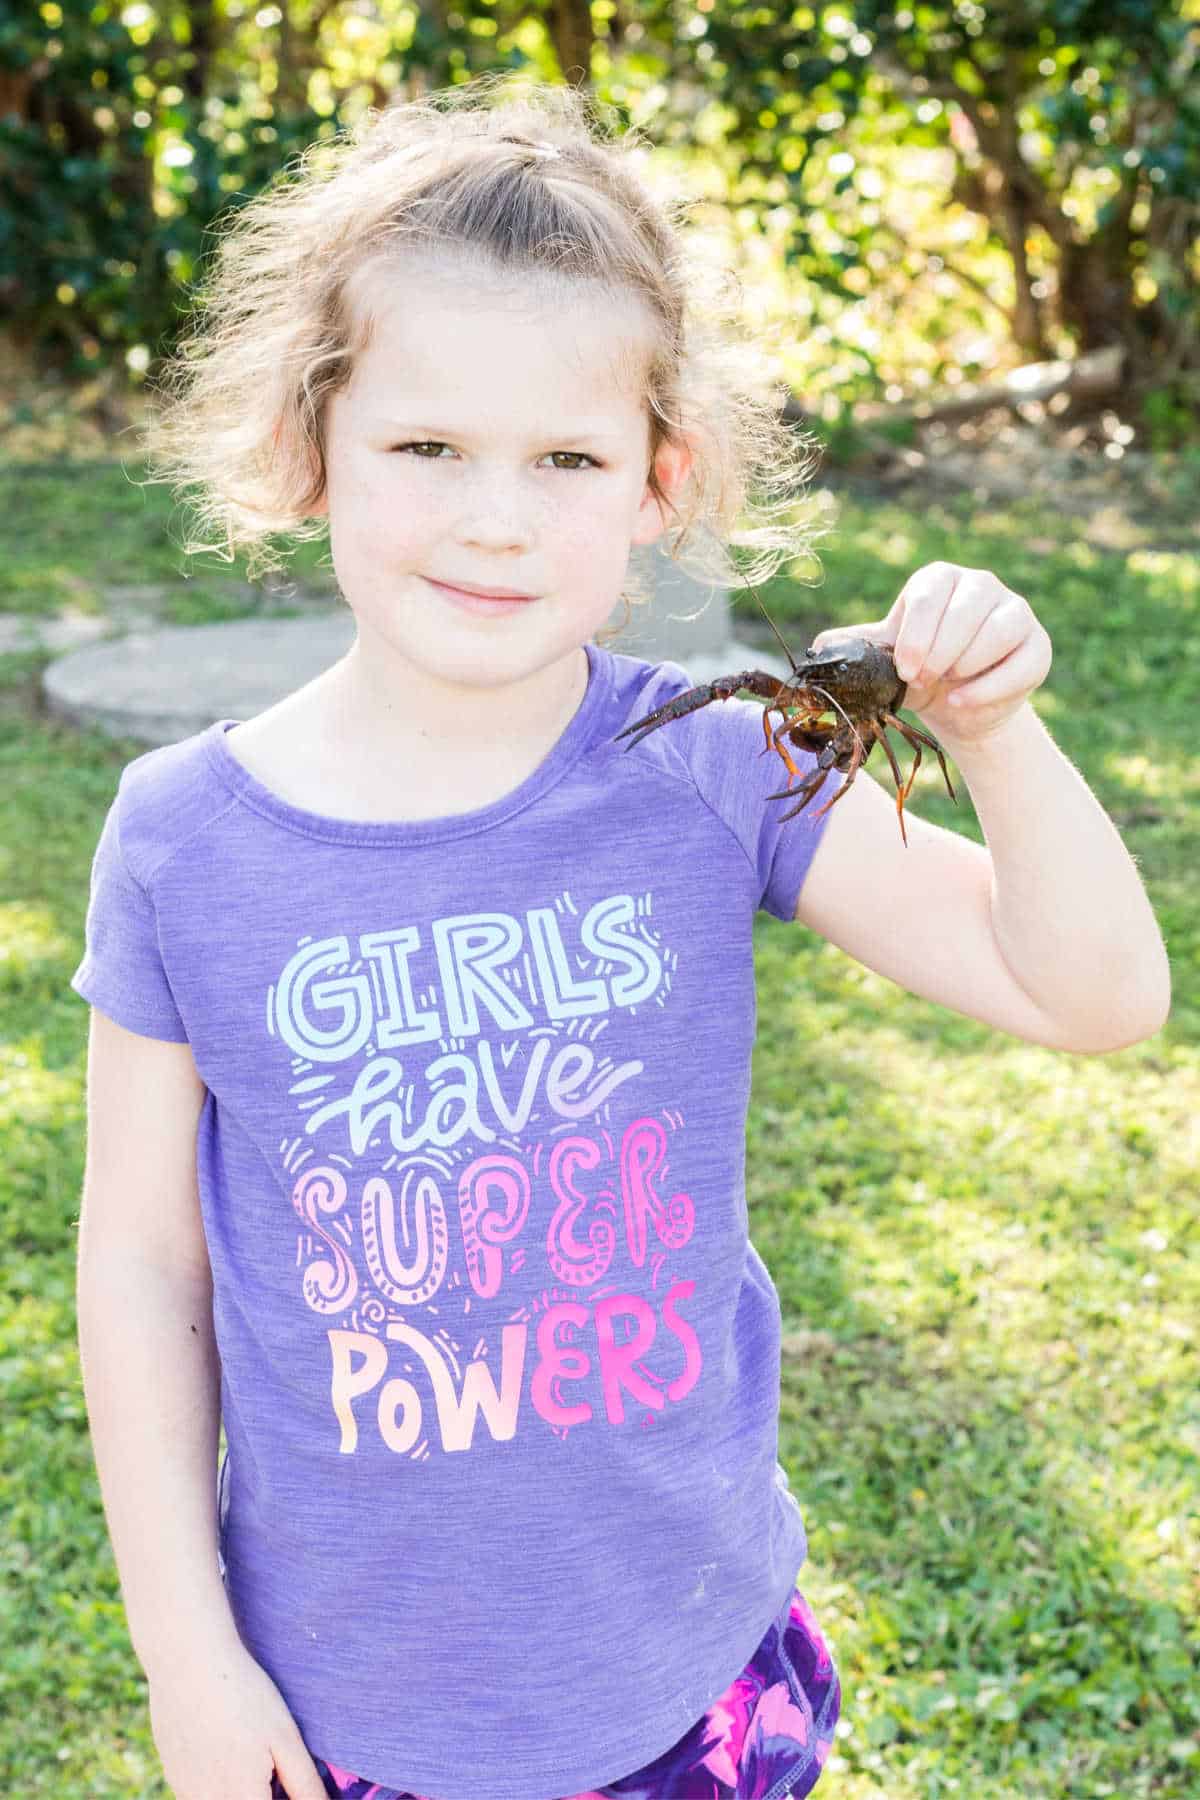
column 579, row 456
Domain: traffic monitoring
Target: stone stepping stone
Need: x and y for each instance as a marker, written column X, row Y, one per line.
column 163, row 684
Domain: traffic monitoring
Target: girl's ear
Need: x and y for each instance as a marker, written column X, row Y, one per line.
column 672, row 464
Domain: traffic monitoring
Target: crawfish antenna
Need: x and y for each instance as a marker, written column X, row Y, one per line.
column 826, row 695
column 770, row 621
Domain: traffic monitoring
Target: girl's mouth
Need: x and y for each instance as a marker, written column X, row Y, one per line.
column 488, row 605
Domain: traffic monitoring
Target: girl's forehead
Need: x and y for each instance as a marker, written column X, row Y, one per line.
column 385, row 280
column 417, row 319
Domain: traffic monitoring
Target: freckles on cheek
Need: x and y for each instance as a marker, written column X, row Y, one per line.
column 383, row 512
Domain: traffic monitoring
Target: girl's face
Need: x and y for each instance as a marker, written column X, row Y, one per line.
column 530, row 472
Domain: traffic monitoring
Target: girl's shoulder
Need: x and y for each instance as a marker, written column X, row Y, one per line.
column 164, row 796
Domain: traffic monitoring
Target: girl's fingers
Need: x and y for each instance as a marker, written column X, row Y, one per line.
column 998, row 633
column 918, row 613
column 961, row 627
column 1022, row 670
column 980, row 602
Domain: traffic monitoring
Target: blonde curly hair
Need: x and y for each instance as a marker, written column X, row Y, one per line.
column 529, row 182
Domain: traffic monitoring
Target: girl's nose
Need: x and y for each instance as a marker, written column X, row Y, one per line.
column 498, row 521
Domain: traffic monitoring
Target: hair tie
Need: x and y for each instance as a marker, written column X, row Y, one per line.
column 538, row 146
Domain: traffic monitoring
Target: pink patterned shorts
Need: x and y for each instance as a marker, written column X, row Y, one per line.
column 767, row 1736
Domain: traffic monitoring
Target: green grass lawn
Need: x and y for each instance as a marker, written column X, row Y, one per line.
column 985, row 1251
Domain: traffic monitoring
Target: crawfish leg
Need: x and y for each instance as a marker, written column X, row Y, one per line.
column 794, row 727
column 903, row 788
column 754, row 681
column 808, row 790
column 851, row 772
column 767, row 733
column 916, row 737
column 773, row 741
column 802, row 795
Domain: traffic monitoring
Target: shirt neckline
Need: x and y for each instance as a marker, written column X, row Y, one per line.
column 558, row 759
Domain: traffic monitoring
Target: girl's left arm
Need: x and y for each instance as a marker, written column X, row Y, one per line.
column 1046, row 933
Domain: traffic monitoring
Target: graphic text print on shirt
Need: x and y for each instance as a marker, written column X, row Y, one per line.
column 488, row 1168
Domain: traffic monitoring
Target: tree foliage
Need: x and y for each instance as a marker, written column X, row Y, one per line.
column 1064, row 140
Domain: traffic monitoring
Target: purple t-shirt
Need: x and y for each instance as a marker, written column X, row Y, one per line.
column 501, row 1511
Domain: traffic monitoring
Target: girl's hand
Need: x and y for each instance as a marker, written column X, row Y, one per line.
column 970, row 649
column 222, row 1728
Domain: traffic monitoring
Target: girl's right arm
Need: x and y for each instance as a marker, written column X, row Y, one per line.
column 151, row 1376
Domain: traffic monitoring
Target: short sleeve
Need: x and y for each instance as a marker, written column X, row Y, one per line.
column 122, row 972
column 737, row 774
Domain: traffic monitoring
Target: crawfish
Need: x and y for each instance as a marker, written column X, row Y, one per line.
column 837, row 705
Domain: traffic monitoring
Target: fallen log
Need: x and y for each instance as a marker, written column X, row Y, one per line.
column 1093, row 376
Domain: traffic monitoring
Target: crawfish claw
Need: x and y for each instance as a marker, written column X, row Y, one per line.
column 723, row 688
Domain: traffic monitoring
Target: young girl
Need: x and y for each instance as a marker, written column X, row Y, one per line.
column 438, row 1008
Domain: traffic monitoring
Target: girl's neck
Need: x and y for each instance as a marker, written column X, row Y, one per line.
column 340, row 747
column 361, row 715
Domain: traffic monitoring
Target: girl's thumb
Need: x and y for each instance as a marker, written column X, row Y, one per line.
column 876, row 632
